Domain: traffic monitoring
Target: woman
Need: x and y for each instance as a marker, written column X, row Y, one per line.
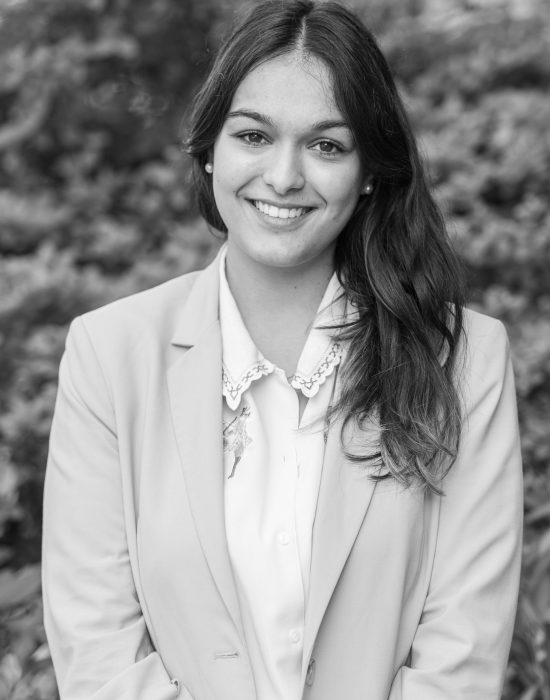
column 295, row 473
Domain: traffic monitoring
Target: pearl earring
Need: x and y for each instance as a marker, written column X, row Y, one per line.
column 209, row 168
column 367, row 189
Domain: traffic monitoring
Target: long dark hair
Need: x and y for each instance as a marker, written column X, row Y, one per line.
column 393, row 258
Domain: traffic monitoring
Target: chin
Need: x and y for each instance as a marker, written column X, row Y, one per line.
column 285, row 259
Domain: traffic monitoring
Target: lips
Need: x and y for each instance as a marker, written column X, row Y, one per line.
column 276, row 212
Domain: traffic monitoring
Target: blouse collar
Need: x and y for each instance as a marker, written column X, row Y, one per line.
column 244, row 364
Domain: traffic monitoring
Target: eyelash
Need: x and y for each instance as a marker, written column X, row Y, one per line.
column 244, row 136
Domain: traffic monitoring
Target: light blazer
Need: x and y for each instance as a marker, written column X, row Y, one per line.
column 412, row 595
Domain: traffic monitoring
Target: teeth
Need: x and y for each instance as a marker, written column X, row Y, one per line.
column 279, row 212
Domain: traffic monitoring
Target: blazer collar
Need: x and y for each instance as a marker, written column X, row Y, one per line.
column 200, row 311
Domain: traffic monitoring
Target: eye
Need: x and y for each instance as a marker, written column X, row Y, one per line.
column 328, row 148
column 253, row 138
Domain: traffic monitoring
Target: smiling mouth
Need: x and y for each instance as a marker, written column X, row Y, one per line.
column 280, row 212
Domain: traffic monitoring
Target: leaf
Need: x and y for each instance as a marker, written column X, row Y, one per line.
column 530, row 693
column 17, row 587
column 10, row 673
column 540, row 513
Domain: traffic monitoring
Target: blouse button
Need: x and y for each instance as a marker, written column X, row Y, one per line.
column 295, row 636
column 283, row 537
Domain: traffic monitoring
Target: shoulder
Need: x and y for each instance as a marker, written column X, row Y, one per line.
column 137, row 327
column 480, row 328
column 483, row 336
column 156, row 308
column 484, row 362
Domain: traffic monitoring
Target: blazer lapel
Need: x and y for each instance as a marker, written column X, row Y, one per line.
column 195, row 391
column 344, row 497
column 194, row 384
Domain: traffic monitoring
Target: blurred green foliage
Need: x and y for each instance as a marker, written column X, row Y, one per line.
column 95, row 204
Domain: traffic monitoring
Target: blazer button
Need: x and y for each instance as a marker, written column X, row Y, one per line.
column 175, row 682
column 310, row 675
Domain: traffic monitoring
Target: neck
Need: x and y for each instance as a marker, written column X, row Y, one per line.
column 297, row 290
column 278, row 304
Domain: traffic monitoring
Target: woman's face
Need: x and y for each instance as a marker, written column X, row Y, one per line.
column 287, row 174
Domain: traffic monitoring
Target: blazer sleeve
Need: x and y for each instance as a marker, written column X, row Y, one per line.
column 462, row 642
column 98, row 639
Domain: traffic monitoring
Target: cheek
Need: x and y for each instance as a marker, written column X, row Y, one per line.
column 230, row 181
column 232, row 167
column 341, row 189
column 344, row 199
column 223, row 185
column 223, row 174
column 225, row 181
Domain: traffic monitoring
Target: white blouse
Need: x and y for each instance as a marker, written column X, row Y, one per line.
column 273, row 463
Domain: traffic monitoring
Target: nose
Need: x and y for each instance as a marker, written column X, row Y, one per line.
column 284, row 170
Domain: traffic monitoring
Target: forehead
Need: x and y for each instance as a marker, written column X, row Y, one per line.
column 293, row 87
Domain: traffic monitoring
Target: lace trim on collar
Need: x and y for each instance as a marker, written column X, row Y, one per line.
column 310, row 385
column 233, row 391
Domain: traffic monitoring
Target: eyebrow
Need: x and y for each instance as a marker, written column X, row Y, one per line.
column 264, row 119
